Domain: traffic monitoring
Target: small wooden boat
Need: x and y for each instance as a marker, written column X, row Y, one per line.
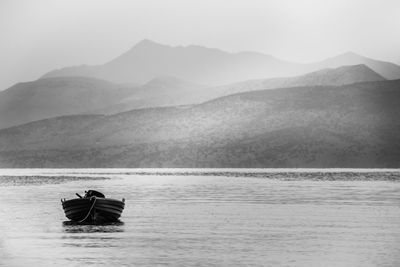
column 94, row 207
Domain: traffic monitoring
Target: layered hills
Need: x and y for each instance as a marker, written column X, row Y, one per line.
column 330, row 76
column 147, row 60
column 57, row 96
column 161, row 91
column 51, row 97
column 352, row 125
column 388, row 70
column 163, row 106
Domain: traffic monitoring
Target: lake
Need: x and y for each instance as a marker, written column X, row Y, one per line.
column 204, row 217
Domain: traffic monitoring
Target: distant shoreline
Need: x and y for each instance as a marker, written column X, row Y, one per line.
column 34, row 171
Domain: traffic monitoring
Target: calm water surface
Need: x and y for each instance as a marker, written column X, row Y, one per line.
column 204, row 218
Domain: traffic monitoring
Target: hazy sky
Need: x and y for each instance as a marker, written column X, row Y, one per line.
column 38, row 36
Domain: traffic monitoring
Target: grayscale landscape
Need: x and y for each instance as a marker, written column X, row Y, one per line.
column 341, row 112
column 199, row 133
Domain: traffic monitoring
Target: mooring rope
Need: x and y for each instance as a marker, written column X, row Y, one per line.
column 89, row 210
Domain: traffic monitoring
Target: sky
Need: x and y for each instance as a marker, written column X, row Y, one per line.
column 42, row 35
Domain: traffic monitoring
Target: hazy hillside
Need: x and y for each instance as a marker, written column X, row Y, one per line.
column 160, row 92
column 322, row 126
column 338, row 76
column 147, row 60
column 51, row 97
column 388, row 70
column 58, row 96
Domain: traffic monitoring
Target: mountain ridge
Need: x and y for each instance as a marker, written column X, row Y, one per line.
column 202, row 65
column 319, row 126
column 386, row 69
column 210, row 66
column 329, row 76
column 56, row 96
column 80, row 94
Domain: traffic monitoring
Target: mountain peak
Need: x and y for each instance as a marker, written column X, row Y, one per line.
column 343, row 75
column 349, row 55
column 145, row 40
column 356, row 67
column 202, row 65
column 146, row 43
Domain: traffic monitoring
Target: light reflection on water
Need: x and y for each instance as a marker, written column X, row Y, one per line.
column 272, row 219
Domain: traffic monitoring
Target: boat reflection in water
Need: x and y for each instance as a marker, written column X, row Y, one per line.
column 76, row 227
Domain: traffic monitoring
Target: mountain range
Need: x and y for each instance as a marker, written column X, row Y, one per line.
column 161, row 91
column 163, row 106
column 51, row 97
column 57, row 96
column 336, row 76
column 352, row 125
column 147, row 60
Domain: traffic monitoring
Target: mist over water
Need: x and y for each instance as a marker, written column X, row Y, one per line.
column 205, row 218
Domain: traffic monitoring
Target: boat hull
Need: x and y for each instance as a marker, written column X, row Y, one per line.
column 93, row 209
